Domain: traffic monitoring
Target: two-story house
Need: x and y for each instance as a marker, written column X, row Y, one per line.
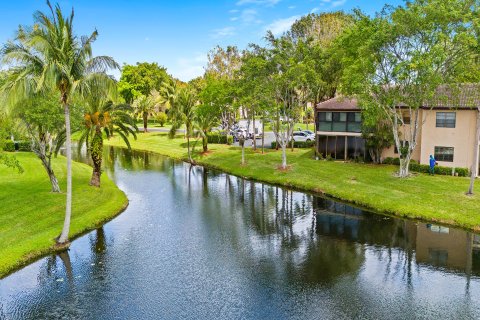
column 447, row 131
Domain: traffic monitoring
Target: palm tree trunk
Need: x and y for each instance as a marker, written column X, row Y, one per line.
column 68, row 209
column 188, row 148
column 96, row 154
column 145, row 122
column 205, row 142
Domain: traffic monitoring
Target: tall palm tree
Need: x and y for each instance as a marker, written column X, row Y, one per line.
column 182, row 112
column 103, row 118
column 51, row 56
column 144, row 106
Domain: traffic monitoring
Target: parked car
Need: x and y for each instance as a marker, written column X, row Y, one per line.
column 302, row 136
column 241, row 133
column 310, row 133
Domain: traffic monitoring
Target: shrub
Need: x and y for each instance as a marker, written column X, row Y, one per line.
column 216, row 138
column 297, row 144
column 9, row 146
column 24, row 146
column 424, row 168
column 161, row 118
column 388, row 160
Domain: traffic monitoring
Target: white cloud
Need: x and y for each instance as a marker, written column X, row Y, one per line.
column 269, row 3
column 189, row 68
column 233, row 18
column 233, row 11
column 338, row 3
column 291, row 7
column 281, row 25
column 223, row 32
column 249, row 16
column 314, row 10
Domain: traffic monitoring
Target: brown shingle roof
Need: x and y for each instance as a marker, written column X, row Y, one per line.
column 339, row 103
column 465, row 96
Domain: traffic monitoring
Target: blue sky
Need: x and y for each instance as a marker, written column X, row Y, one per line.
column 177, row 34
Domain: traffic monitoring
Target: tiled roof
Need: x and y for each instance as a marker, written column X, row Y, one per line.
column 339, row 103
column 465, row 96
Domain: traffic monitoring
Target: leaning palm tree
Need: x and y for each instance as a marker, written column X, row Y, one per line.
column 50, row 56
column 144, row 107
column 182, row 112
column 103, row 118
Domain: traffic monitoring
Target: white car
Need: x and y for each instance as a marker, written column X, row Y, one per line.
column 311, row 133
column 302, row 136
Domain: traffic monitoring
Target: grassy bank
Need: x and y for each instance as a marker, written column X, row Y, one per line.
column 439, row 199
column 31, row 216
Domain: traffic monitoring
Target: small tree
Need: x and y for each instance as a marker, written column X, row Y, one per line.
column 377, row 132
column 182, row 111
column 144, row 107
column 45, row 126
column 103, row 118
column 206, row 117
column 162, row 118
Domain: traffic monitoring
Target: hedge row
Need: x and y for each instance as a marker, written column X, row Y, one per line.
column 297, row 144
column 11, row 146
column 216, row 138
column 424, row 168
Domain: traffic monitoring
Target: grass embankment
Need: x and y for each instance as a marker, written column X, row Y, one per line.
column 438, row 199
column 31, row 216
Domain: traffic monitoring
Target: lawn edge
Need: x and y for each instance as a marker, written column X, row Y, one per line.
column 36, row 255
column 315, row 191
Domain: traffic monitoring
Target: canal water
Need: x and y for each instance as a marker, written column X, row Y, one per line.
column 200, row 244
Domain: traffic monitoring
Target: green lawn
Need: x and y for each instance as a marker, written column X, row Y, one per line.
column 31, row 216
column 439, row 199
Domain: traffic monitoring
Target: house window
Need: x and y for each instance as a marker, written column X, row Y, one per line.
column 446, row 119
column 406, row 117
column 444, row 154
column 339, row 121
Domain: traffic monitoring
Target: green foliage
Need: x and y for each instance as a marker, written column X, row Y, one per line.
column 376, row 130
column 141, row 79
column 162, row 118
column 217, row 138
column 9, row 146
column 24, row 146
column 424, row 168
column 297, row 144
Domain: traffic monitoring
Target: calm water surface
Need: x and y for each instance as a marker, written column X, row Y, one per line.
column 198, row 244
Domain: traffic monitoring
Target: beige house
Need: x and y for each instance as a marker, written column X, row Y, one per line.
column 447, row 130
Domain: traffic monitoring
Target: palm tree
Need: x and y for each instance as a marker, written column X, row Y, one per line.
column 205, row 119
column 182, row 112
column 51, row 56
column 144, row 107
column 102, row 116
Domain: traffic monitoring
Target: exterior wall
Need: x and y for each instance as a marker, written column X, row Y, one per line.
column 461, row 138
column 405, row 133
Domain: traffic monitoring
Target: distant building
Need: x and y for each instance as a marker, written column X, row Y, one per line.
column 448, row 131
